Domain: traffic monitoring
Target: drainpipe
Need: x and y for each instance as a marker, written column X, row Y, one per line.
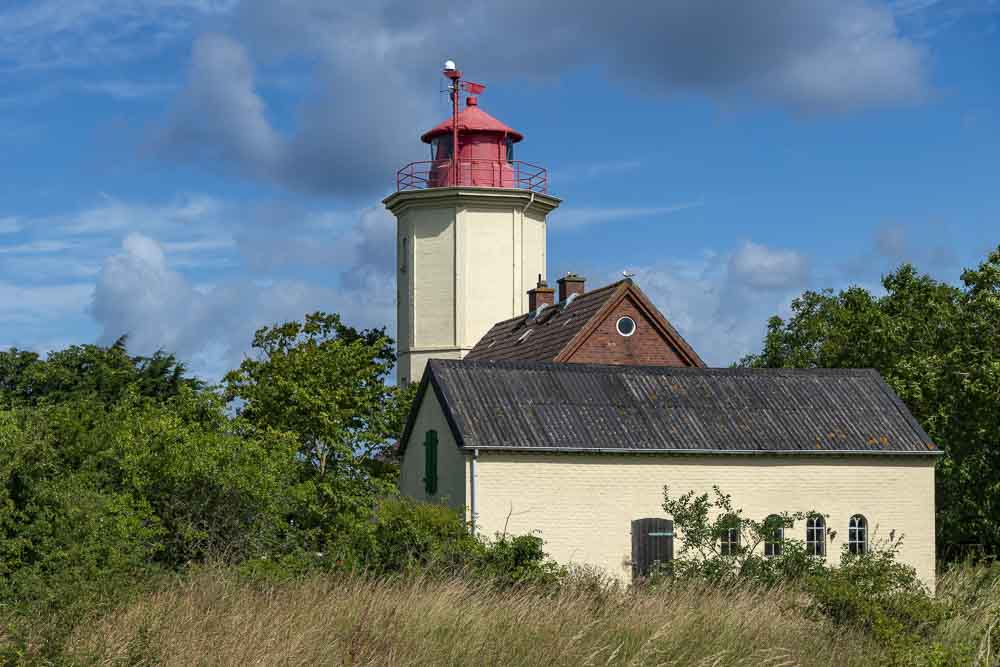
column 472, row 490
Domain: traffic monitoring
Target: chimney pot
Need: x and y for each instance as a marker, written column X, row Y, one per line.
column 570, row 284
column 541, row 294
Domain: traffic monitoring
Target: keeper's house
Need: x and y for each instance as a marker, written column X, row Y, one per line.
column 568, row 418
column 580, row 453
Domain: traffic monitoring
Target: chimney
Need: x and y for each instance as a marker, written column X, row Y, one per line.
column 570, row 284
column 541, row 294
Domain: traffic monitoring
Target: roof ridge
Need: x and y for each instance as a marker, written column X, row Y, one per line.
column 634, row 368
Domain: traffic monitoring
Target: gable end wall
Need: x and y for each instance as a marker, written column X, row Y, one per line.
column 646, row 347
column 452, row 464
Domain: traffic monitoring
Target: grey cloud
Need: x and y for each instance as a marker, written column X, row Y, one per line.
column 361, row 120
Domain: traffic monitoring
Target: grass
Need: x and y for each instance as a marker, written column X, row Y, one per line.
column 213, row 619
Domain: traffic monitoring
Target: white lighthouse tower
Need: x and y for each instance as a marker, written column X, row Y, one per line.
column 470, row 234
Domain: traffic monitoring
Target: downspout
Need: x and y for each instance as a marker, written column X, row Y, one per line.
column 472, row 490
column 523, row 211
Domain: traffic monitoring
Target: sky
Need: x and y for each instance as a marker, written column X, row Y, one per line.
column 185, row 171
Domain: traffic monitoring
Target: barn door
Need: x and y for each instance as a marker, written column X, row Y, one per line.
column 652, row 545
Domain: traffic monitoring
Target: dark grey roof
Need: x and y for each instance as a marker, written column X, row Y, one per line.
column 552, row 330
column 523, row 405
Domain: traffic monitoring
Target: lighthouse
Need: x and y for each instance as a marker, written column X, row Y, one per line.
column 470, row 233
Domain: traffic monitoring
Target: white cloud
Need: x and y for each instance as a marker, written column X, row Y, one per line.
column 31, row 305
column 10, row 225
column 572, row 217
column 55, row 33
column 142, row 292
column 374, row 63
column 33, row 247
column 721, row 302
column 760, row 267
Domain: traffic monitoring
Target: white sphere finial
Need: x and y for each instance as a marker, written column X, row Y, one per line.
column 449, row 65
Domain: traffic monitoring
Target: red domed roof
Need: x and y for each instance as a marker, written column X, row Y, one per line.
column 472, row 119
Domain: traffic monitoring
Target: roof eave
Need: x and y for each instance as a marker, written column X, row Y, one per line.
column 699, row 451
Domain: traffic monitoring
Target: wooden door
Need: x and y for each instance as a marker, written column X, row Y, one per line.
column 652, row 545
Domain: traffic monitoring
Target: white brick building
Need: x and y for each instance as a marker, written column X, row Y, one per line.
column 577, row 453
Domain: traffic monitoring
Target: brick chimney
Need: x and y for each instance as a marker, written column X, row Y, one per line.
column 570, row 284
column 541, row 294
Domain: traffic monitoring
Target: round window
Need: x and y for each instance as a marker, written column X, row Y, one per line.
column 626, row 326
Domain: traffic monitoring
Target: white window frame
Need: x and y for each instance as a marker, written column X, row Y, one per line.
column 619, row 322
column 857, row 534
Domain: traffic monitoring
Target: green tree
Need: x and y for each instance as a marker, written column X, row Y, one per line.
column 938, row 346
column 720, row 544
column 92, row 370
column 326, row 382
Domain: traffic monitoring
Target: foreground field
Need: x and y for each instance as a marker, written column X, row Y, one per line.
column 213, row 620
column 215, row 617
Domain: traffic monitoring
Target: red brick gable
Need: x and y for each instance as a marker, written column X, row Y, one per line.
column 647, row 346
column 585, row 332
column 654, row 343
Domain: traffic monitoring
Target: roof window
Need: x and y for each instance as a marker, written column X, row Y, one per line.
column 625, row 326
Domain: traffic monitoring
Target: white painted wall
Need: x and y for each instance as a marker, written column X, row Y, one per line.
column 582, row 505
column 471, row 255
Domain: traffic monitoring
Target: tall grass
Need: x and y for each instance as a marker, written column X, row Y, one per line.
column 213, row 619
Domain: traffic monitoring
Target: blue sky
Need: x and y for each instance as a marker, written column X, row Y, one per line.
column 185, row 171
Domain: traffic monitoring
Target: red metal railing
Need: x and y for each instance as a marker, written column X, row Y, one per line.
column 475, row 173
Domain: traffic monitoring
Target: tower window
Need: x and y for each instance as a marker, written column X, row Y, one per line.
column 625, row 326
column 510, row 149
column 441, row 147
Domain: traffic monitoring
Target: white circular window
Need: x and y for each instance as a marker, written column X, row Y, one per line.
column 626, row 326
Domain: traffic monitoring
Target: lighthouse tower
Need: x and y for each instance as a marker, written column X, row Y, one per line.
column 470, row 233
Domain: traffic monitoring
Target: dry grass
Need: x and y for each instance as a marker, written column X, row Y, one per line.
column 213, row 620
column 973, row 594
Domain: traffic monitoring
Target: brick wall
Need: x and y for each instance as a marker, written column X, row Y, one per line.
column 645, row 347
column 582, row 505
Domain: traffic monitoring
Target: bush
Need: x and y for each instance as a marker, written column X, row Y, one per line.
column 874, row 592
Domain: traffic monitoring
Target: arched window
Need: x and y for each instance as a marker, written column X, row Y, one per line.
column 730, row 543
column 773, row 542
column 816, row 535
column 857, row 534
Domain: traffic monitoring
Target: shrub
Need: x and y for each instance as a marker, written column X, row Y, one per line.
column 876, row 593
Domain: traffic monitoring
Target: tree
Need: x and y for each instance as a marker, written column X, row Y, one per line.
column 720, row 544
column 105, row 373
column 325, row 382
column 938, row 346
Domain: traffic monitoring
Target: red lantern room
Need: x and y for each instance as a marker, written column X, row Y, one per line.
column 485, row 156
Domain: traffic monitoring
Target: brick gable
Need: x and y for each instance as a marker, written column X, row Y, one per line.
column 648, row 346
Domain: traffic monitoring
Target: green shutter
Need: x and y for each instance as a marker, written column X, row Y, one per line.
column 431, row 463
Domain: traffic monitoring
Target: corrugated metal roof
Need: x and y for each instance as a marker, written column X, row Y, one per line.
column 522, row 405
